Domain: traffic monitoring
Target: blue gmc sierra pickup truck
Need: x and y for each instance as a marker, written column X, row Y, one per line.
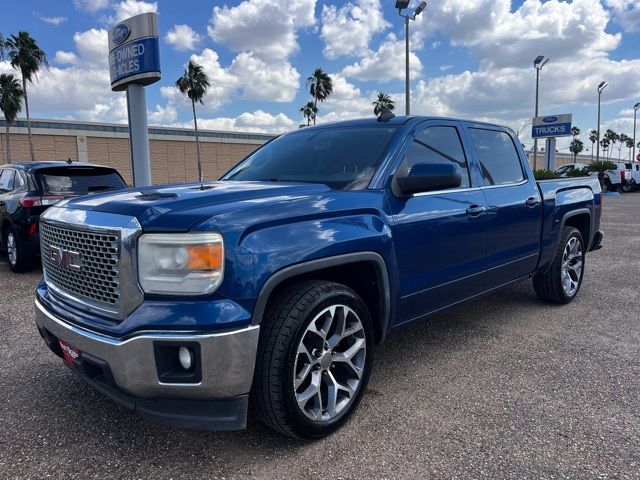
column 275, row 284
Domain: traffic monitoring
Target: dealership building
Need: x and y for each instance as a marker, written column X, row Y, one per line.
column 172, row 150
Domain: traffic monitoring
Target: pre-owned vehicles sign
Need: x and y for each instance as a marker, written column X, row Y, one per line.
column 134, row 54
column 551, row 126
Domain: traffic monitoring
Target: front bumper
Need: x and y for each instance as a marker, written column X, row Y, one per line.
column 126, row 371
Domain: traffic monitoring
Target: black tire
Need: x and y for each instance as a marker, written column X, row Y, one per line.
column 283, row 328
column 23, row 259
column 609, row 186
column 627, row 187
column 548, row 285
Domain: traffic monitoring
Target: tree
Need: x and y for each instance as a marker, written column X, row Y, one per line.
column 629, row 145
column 194, row 83
column 604, row 143
column 593, row 138
column 623, row 141
column 11, row 95
column 321, row 86
column 27, row 57
column 576, row 147
column 613, row 138
column 309, row 111
column 575, row 132
column 383, row 101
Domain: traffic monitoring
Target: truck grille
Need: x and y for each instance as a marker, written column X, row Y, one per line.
column 95, row 277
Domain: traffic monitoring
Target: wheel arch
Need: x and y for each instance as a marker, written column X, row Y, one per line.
column 355, row 270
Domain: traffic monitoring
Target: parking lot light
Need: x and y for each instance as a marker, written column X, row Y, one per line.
column 539, row 62
column 635, row 114
column 601, row 87
column 402, row 5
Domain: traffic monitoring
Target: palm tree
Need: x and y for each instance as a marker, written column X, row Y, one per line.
column 601, row 166
column 29, row 58
column 194, row 83
column 11, row 95
column 576, row 147
column 383, row 101
column 593, row 138
column 575, row 132
column 604, row 143
column 321, row 86
column 613, row 138
column 629, row 145
column 309, row 111
column 623, row 141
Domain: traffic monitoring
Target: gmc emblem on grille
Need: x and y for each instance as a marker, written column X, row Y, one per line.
column 65, row 258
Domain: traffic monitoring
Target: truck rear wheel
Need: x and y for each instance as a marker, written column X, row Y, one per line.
column 314, row 359
column 562, row 281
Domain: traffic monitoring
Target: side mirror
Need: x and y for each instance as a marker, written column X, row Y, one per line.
column 426, row 177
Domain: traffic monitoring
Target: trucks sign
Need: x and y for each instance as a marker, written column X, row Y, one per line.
column 551, row 126
column 134, row 53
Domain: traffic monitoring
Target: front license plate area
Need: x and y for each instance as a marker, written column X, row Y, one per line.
column 69, row 352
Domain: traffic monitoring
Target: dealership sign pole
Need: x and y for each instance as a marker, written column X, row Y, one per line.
column 550, row 127
column 134, row 62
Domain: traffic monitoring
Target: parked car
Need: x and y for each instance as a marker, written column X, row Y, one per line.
column 632, row 176
column 280, row 280
column 564, row 170
column 28, row 189
column 614, row 179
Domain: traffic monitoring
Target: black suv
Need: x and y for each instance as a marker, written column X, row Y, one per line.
column 28, row 189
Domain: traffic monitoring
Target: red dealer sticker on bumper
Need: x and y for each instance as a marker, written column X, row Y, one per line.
column 70, row 353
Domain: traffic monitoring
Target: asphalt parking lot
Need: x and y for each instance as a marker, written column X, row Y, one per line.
column 507, row 387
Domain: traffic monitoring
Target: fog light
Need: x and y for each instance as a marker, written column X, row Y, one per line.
column 185, row 355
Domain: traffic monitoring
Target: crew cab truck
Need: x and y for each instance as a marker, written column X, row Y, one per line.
column 277, row 282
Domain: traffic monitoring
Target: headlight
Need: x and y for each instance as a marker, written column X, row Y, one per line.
column 180, row 263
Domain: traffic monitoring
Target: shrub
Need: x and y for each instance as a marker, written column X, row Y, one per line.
column 545, row 174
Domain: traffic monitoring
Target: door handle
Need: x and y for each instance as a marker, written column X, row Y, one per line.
column 475, row 210
column 532, row 201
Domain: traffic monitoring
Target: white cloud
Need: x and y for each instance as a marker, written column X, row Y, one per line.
column 626, row 13
column 163, row 115
column 93, row 46
column 182, row 37
column 130, row 8
column 265, row 27
column 91, row 5
column 385, row 64
column 65, row 58
column 497, row 36
column 54, row 20
column 349, row 29
column 444, row 68
column 258, row 121
column 275, row 81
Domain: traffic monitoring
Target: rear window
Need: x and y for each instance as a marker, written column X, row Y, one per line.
column 80, row 180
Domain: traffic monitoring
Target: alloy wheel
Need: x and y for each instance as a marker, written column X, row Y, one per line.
column 571, row 272
column 12, row 250
column 329, row 363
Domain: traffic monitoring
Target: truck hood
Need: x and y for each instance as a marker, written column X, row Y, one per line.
column 179, row 207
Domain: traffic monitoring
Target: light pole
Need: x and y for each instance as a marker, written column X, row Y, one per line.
column 402, row 5
column 635, row 112
column 601, row 87
column 538, row 63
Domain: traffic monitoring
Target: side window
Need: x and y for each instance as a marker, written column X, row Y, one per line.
column 499, row 159
column 438, row 145
column 18, row 180
column 6, row 180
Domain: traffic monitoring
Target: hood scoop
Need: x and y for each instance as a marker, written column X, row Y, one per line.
column 152, row 195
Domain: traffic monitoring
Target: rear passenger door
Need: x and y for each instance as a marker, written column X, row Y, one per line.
column 514, row 207
column 439, row 236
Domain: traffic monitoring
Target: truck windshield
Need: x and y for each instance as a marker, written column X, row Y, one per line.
column 341, row 158
column 79, row 180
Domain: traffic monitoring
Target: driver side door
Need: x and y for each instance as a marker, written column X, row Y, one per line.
column 439, row 236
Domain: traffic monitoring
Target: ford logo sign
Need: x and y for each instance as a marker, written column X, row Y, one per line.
column 550, row 119
column 120, row 33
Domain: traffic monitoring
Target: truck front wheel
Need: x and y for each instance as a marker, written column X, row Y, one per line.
column 562, row 281
column 314, row 359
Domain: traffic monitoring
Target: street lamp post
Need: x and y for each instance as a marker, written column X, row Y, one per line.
column 538, row 63
column 402, row 5
column 635, row 112
column 601, row 87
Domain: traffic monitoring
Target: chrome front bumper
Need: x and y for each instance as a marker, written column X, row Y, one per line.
column 227, row 359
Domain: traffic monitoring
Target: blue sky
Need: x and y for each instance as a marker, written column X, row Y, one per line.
column 469, row 59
